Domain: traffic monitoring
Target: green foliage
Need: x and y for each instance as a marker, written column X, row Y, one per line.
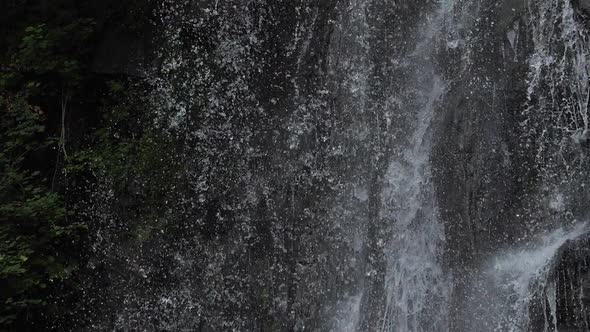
column 53, row 56
column 47, row 63
column 47, row 89
column 32, row 218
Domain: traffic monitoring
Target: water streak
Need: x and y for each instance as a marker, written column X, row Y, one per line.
column 501, row 296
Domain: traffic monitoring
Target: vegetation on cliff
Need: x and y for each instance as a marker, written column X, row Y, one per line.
column 57, row 113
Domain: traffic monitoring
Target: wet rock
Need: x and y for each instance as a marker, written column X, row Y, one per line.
column 565, row 296
column 584, row 5
column 508, row 12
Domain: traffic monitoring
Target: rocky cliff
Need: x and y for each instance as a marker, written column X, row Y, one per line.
column 356, row 160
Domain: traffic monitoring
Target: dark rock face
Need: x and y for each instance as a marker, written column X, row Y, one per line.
column 476, row 157
column 491, row 184
column 287, row 161
column 563, row 299
column 583, row 5
column 478, row 171
column 271, row 77
column 123, row 52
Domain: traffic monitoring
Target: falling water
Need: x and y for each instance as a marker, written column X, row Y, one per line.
column 418, row 290
column 559, row 84
column 510, row 281
column 309, row 133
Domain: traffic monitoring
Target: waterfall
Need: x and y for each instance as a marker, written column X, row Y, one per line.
column 358, row 165
column 513, row 287
column 417, row 288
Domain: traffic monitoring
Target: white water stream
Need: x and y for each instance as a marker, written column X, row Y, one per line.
column 500, row 297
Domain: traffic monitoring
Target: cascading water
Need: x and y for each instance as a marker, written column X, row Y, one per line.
column 361, row 165
column 511, row 289
column 508, row 283
column 417, row 288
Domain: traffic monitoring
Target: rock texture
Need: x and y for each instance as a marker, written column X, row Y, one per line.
column 584, row 5
column 492, row 187
column 562, row 301
column 299, row 116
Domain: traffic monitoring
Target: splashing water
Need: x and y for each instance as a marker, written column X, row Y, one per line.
column 500, row 298
column 416, row 282
column 558, row 83
column 418, row 290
